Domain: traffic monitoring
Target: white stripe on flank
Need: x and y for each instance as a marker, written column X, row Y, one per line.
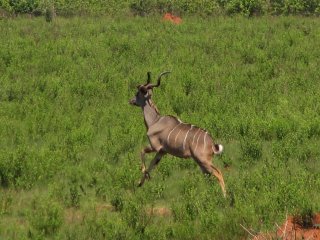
column 184, row 141
column 197, row 142
column 177, row 136
column 171, row 132
column 195, row 135
column 204, row 139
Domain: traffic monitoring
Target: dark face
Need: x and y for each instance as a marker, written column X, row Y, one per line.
column 141, row 97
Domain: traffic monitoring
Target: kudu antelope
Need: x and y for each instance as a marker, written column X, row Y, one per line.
column 168, row 134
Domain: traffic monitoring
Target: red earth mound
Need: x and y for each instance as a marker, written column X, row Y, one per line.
column 171, row 18
column 296, row 228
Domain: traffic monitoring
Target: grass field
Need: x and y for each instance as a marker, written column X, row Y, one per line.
column 70, row 142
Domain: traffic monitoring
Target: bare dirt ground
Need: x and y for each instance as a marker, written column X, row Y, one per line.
column 295, row 228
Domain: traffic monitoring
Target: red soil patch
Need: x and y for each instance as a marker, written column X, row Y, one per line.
column 296, row 228
column 171, row 18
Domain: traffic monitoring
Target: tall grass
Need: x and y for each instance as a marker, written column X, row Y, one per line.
column 69, row 155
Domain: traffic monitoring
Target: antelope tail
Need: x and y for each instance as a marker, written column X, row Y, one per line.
column 217, row 148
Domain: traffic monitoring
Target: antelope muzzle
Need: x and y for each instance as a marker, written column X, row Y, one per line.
column 133, row 102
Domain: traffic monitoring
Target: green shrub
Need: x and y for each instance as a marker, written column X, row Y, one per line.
column 5, row 202
column 117, row 201
column 294, row 6
column 136, row 217
column 46, row 217
column 20, row 6
column 245, row 7
column 12, row 167
column 147, row 7
column 50, row 13
column 141, row 7
column 251, row 148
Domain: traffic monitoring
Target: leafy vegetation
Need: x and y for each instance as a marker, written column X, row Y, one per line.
column 70, row 142
column 147, row 7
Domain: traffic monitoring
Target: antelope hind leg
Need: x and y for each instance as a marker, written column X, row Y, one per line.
column 217, row 173
column 207, row 167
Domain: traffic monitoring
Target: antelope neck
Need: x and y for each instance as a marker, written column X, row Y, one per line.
column 151, row 115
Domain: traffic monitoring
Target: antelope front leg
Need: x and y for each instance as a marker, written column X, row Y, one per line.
column 153, row 163
column 147, row 149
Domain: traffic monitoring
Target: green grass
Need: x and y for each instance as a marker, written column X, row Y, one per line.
column 70, row 142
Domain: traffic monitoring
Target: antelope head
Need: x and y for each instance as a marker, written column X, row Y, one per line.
column 145, row 91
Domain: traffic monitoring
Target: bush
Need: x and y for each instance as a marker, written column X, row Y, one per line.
column 147, row 7
column 294, row 6
column 251, row 148
column 50, row 13
column 46, row 217
column 142, row 8
column 246, row 7
column 117, row 201
column 12, row 167
column 5, row 202
column 20, row 6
